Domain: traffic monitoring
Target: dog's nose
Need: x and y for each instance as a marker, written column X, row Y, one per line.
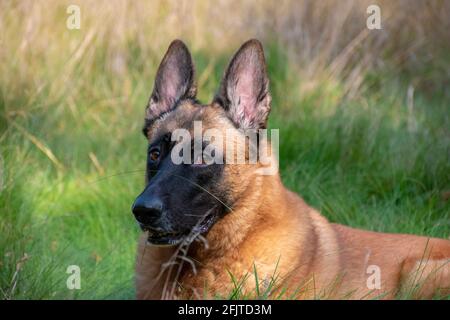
column 147, row 210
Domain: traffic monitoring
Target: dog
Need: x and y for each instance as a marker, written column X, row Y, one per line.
column 212, row 228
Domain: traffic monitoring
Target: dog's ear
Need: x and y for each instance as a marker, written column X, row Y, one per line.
column 244, row 91
column 174, row 80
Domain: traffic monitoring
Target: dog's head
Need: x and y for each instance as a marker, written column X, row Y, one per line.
column 188, row 197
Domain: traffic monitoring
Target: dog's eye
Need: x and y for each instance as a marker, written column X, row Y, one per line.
column 154, row 155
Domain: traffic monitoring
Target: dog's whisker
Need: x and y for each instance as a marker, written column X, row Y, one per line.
column 118, row 174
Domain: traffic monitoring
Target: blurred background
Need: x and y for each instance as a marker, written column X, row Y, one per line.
column 363, row 118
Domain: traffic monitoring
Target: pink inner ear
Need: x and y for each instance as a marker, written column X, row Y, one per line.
column 171, row 84
column 168, row 93
column 246, row 86
column 246, row 94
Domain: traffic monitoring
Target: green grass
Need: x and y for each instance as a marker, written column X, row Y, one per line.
column 364, row 161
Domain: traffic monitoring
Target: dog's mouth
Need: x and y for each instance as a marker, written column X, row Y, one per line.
column 171, row 238
column 162, row 238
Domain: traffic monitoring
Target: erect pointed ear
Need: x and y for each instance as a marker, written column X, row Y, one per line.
column 244, row 91
column 174, row 80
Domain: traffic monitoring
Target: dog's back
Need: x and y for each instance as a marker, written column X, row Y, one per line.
column 405, row 264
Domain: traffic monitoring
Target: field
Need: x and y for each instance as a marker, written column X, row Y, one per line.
column 364, row 119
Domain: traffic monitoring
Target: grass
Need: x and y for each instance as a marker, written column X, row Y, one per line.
column 368, row 145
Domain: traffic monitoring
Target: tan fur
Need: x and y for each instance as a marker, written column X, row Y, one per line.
column 275, row 231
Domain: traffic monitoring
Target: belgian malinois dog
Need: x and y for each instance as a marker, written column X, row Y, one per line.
column 209, row 228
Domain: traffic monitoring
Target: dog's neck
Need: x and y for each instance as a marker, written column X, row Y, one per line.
column 265, row 212
column 232, row 229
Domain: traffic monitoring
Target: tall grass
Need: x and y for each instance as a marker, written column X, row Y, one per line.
column 363, row 117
